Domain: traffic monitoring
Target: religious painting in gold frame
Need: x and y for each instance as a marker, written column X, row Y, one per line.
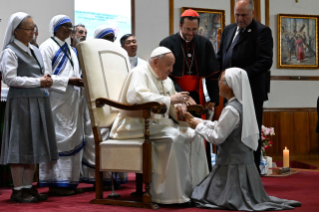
column 210, row 21
column 297, row 41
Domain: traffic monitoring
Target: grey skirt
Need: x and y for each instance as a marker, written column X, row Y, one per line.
column 237, row 187
column 28, row 132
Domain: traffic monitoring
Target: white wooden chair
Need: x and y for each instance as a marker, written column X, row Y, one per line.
column 105, row 66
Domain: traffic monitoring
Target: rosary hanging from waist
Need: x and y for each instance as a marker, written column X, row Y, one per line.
column 189, row 67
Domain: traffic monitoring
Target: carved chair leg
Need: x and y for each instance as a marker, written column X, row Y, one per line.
column 98, row 174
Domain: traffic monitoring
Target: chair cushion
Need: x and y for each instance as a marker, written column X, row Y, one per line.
column 122, row 155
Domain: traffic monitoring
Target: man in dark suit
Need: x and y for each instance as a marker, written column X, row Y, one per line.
column 248, row 44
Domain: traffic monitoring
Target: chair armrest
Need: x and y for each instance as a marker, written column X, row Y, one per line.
column 198, row 109
column 155, row 107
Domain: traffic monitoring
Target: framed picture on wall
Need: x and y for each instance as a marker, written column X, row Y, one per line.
column 210, row 21
column 297, row 41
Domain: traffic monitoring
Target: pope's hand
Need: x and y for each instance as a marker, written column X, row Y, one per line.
column 181, row 97
column 191, row 101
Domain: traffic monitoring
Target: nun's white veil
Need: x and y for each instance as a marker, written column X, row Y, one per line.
column 237, row 79
column 14, row 20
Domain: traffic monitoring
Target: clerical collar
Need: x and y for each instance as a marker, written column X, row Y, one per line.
column 133, row 61
column 181, row 34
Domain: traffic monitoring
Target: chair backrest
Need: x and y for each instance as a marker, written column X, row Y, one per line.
column 105, row 66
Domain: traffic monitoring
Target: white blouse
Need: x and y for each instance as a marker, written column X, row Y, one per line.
column 9, row 66
column 216, row 132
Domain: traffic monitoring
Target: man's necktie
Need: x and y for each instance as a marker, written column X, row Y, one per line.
column 228, row 55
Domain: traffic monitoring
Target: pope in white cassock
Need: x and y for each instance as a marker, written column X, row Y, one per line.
column 61, row 62
column 179, row 160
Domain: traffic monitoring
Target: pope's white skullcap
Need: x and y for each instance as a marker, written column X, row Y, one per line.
column 160, row 51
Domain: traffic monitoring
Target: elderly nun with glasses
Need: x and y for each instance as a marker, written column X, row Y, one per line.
column 28, row 132
column 60, row 61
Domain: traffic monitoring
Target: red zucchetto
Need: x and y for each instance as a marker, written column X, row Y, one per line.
column 189, row 12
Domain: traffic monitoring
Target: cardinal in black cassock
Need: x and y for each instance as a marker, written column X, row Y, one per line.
column 195, row 61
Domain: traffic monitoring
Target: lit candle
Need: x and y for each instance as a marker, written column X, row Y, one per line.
column 286, row 157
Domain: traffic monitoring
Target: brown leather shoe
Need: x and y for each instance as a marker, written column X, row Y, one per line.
column 34, row 192
column 22, row 196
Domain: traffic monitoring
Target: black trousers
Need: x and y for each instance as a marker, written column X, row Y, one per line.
column 259, row 116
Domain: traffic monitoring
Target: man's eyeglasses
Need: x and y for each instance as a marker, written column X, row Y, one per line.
column 29, row 30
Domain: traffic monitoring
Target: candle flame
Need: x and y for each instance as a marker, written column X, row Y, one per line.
column 285, row 148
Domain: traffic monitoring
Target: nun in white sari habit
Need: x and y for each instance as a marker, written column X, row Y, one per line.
column 61, row 62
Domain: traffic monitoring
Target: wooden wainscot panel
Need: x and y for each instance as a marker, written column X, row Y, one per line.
column 285, row 130
column 294, row 128
column 271, row 119
column 301, row 133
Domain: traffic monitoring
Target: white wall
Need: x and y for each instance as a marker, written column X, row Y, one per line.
column 42, row 12
column 151, row 24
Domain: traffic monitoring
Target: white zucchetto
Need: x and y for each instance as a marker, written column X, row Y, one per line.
column 160, row 51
